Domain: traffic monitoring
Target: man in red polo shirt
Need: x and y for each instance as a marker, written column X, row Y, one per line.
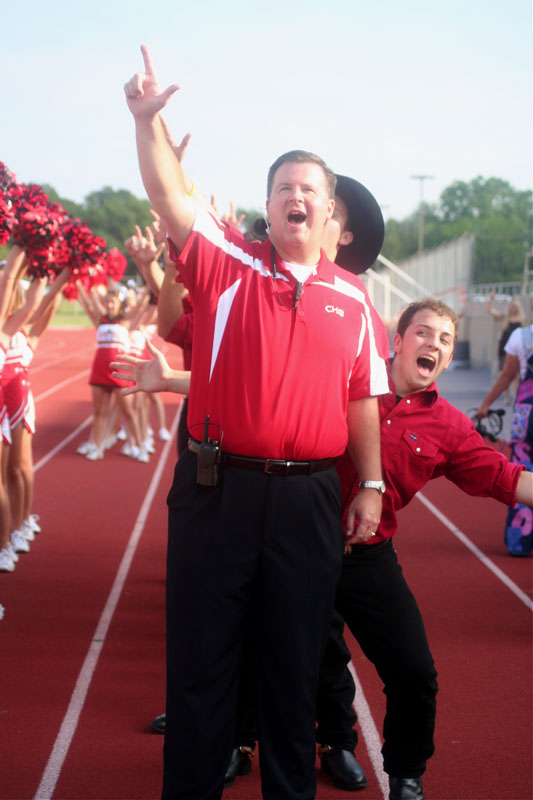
column 285, row 374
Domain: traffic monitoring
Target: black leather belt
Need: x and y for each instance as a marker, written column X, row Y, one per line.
column 271, row 466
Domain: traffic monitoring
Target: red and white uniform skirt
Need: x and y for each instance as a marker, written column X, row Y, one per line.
column 112, row 340
column 5, row 431
column 16, row 385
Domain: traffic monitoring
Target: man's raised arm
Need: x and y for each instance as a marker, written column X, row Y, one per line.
column 160, row 170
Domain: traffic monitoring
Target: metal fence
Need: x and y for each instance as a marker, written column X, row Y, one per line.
column 444, row 272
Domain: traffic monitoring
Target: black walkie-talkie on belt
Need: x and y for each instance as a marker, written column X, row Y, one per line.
column 208, row 459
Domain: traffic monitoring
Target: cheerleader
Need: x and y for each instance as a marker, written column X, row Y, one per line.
column 21, row 414
column 166, row 293
column 9, row 325
column 8, row 556
column 112, row 337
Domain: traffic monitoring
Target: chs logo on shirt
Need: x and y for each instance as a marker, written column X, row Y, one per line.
column 334, row 310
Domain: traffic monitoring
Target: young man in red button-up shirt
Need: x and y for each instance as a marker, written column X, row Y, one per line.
column 422, row 437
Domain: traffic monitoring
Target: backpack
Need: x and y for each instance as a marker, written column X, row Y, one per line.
column 519, row 526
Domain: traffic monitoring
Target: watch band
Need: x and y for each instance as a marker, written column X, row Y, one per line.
column 379, row 486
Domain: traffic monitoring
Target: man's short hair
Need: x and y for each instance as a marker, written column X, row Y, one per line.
column 302, row 157
column 431, row 303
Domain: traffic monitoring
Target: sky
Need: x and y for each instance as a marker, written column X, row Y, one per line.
column 381, row 90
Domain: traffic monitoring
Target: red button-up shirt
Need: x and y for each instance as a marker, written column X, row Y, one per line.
column 424, row 437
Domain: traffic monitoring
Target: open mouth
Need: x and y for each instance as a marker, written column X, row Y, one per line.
column 296, row 218
column 426, row 363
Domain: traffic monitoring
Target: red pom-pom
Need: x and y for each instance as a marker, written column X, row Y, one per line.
column 36, row 227
column 116, row 264
column 7, row 218
column 86, row 257
column 8, row 181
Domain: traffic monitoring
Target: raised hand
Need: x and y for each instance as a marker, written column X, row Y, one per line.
column 143, row 93
column 145, row 248
column 146, row 376
column 231, row 216
column 158, row 231
column 177, row 149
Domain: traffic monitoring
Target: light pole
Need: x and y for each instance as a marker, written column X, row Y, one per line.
column 421, row 178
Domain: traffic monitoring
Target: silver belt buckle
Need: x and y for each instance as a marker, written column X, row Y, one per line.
column 277, row 466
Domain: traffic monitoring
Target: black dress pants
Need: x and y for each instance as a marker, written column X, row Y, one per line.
column 381, row 612
column 259, row 543
column 335, row 714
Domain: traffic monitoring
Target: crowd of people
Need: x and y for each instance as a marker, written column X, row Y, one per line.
column 52, row 256
column 124, row 321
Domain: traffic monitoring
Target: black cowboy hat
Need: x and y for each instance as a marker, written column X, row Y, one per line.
column 365, row 221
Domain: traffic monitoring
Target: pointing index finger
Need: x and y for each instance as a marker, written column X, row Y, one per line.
column 148, row 65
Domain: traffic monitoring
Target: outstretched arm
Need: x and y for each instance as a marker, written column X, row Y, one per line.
column 88, row 305
column 509, row 372
column 524, row 489
column 11, row 275
column 33, row 298
column 133, row 316
column 492, row 311
column 160, row 169
column 44, row 312
column 96, row 301
column 145, row 252
column 150, row 376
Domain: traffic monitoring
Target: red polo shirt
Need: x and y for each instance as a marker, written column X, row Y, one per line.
column 424, row 437
column 181, row 335
column 274, row 376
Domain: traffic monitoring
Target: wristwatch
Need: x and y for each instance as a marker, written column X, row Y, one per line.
column 379, row 486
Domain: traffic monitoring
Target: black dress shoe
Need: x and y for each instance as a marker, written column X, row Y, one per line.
column 240, row 763
column 405, row 788
column 159, row 723
column 343, row 768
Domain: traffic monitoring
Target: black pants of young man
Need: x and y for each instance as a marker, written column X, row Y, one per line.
column 273, row 545
column 381, row 612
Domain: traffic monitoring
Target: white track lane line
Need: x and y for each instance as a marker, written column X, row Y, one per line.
column 61, row 385
column 45, row 459
column 370, row 733
column 70, row 721
column 477, row 552
column 63, row 357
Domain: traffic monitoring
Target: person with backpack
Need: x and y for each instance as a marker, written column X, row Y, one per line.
column 518, row 363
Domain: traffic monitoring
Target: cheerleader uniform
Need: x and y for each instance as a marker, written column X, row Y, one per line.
column 5, row 431
column 138, row 345
column 149, row 333
column 112, row 340
column 18, row 396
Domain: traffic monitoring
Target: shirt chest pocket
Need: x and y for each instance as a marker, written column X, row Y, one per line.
column 420, row 453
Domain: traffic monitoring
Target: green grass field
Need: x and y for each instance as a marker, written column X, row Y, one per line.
column 70, row 315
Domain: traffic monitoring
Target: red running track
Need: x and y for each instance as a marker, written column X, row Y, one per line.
column 81, row 641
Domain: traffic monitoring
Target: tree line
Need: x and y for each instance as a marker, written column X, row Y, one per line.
column 498, row 214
